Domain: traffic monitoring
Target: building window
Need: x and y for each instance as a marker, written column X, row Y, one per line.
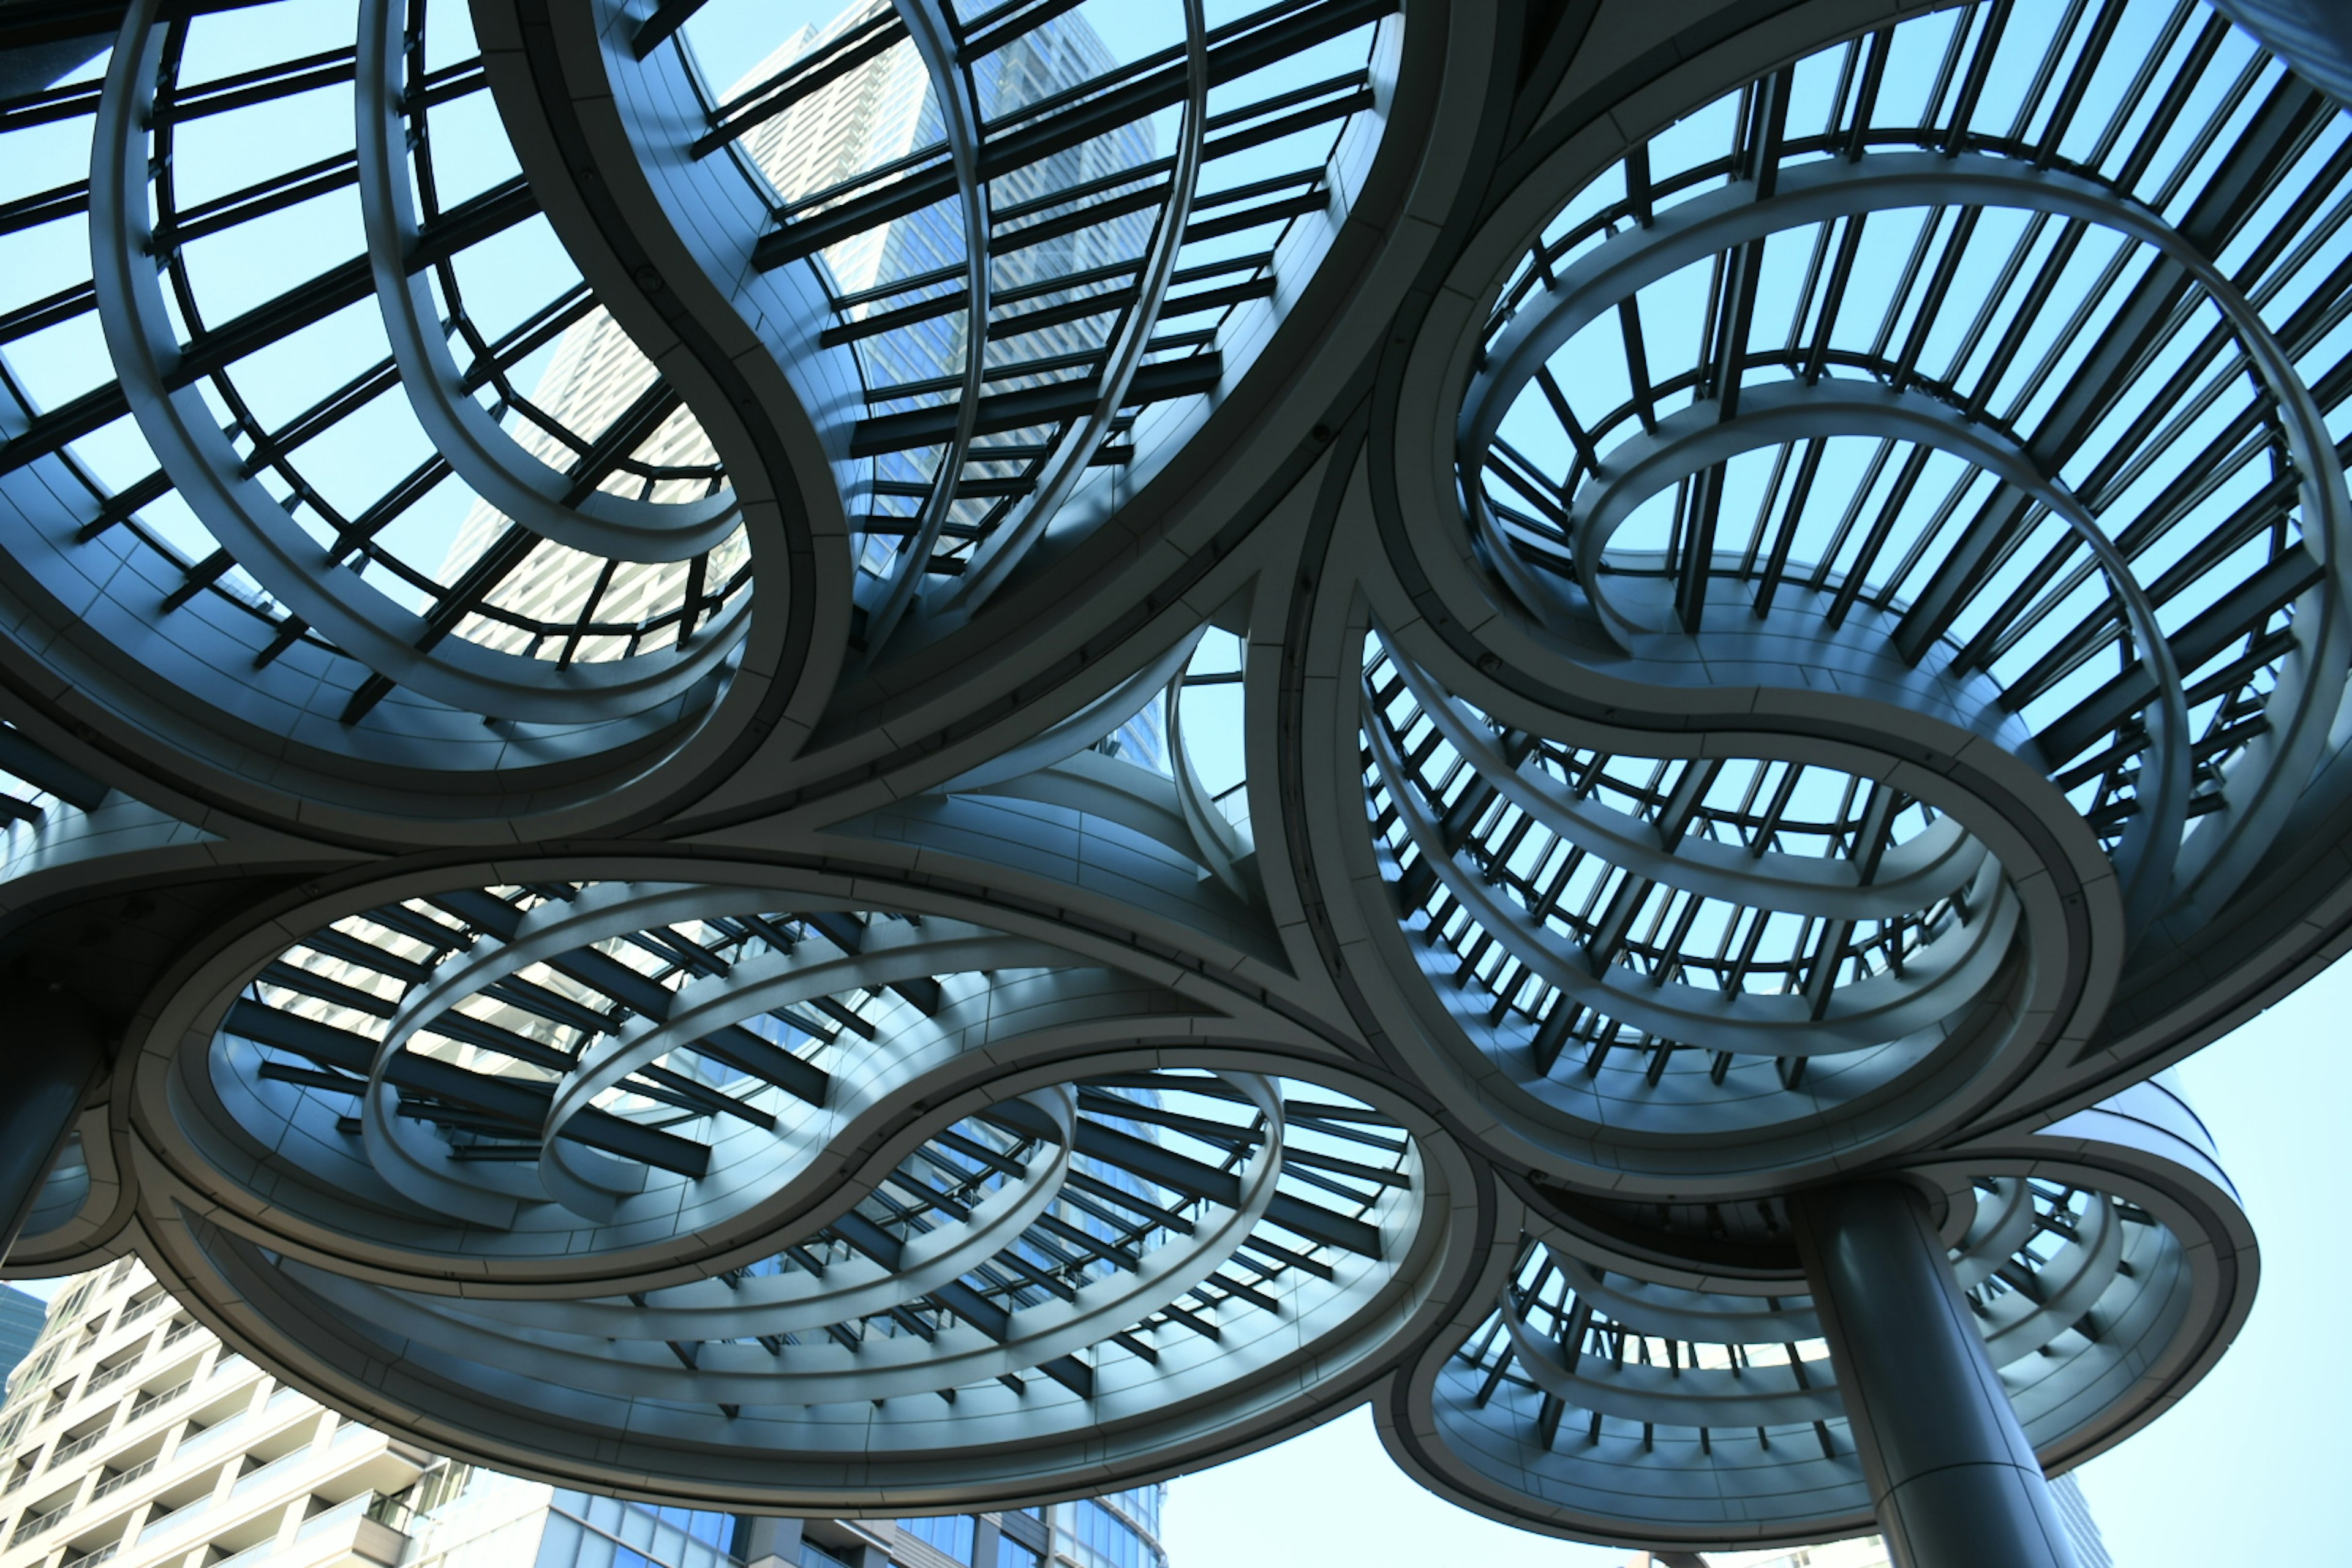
column 1104, row 1542
column 712, row 1528
column 951, row 1534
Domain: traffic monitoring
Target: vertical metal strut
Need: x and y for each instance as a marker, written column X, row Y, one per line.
column 49, row 1055
column 1952, row 1479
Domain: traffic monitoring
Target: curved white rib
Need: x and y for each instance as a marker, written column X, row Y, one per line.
column 478, row 448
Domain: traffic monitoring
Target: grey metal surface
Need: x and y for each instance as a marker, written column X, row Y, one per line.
column 52, row 1058
column 1658, row 719
column 2314, row 36
column 1952, row 1479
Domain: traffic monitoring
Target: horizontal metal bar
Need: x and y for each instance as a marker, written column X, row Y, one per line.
column 797, row 82
column 470, row 222
column 44, row 207
column 309, row 983
column 44, row 313
column 1004, row 411
column 283, row 80
column 655, row 30
column 948, row 304
column 2237, row 614
column 1318, row 1224
column 20, row 755
column 260, row 200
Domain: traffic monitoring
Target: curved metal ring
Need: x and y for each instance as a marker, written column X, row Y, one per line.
column 758, row 985
column 1776, row 413
column 2219, row 856
column 258, row 532
column 1619, row 1408
column 995, row 558
column 1940, row 978
column 830, row 1374
column 481, row 451
column 1912, row 875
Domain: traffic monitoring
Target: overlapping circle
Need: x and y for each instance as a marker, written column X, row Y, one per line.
column 1802, row 645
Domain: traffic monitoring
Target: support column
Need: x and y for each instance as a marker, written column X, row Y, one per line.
column 51, row 1055
column 1952, row 1479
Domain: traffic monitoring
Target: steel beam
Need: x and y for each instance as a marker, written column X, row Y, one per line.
column 1952, row 1479
column 51, row 1055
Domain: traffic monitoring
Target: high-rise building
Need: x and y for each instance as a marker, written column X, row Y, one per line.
column 133, row 1438
column 2074, row 1512
column 21, row 1316
column 870, row 116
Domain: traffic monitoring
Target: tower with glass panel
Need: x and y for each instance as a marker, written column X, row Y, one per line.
column 900, row 284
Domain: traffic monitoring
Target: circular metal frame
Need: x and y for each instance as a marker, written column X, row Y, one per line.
column 1093, row 725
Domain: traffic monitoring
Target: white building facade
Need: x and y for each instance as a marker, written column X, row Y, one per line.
column 132, row 1437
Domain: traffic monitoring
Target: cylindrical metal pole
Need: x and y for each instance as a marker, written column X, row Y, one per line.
column 50, row 1054
column 1953, row 1480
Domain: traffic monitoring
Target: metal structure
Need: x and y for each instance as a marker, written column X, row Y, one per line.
column 1784, row 589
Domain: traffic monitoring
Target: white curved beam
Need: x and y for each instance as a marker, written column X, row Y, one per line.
column 1938, row 979
column 479, row 450
column 1004, row 548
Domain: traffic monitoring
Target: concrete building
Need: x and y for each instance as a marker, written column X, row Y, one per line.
column 132, row 1437
column 458, row 1517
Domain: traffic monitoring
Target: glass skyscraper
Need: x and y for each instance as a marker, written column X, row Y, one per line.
column 459, row 1517
column 21, row 1316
